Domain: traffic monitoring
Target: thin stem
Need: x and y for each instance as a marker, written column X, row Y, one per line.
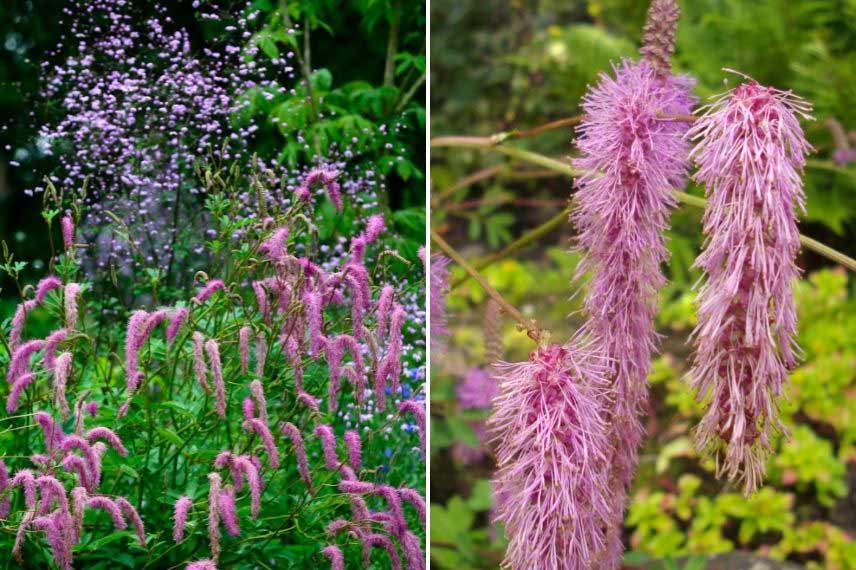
column 531, row 328
column 392, row 44
column 484, row 143
column 478, row 176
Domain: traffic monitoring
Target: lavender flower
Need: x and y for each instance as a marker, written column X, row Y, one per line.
column 108, row 435
column 413, row 497
column 751, row 153
column 4, row 484
column 261, row 428
column 62, row 372
column 552, row 484
column 274, row 248
column 374, row 228
column 131, row 514
column 21, row 384
column 133, row 342
column 261, row 354
column 658, row 41
column 20, row 363
column 67, row 225
column 383, row 307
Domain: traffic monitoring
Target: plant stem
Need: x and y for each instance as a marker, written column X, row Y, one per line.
column 392, row 44
column 485, row 143
column 530, row 326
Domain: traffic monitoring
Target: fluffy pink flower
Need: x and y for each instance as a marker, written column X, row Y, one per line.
column 108, row 435
column 393, row 500
column 228, row 511
column 352, row 441
column 27, row 481
column 20, row 384
column 261, row 428
column 51, row 343
column 179, row 517
column 412, row 548
column 262, row 300
column 274, row 246
column 413, row 497
column 307, row 400
column 199, row 366
column 45, row 286
column 244, row 347
column 90, row 455
column 92, row 408
column 751, row 153
column 552, row 484
column 211, row 287
column 261, row 354
column 176, row 320
column 20, row 363
column 326, row 178
column 439, row 283
column 385, row 543
column 52, row 431
column 204, row 564
column 214, row 486
column 247, row 467
column 72, row 291
column 658, row 42
column 328, row 444
column 67, row 232
column 418, row 411
column 18, row 322
column 374, row 227
column 131, row 514
column 312, row 300
column 382, row 309
column 296, row 438
column 477, row 390
column 212, row 349
column 110, row 507
column 134, row 340
column 258, row 392
column 337, row 560
column 62, row 372
column 78, row 506
column 4, row 484
column 76, row 464
column 356, row 487
column 358, row 381
column 60, row 548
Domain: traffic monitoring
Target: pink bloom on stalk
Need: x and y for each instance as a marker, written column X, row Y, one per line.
column 296, row 438
column 393, row 499
column 51, row 344
column 261, row 428
column 337, row 560
column 261, row 354
column 312, row 300
column 67, row 225
column 356, row 487
column 262, row 300
column 90, row 455
column 750, row 154
column 308, row 400
column 334, row 350
column 92, row 408
column 214, row 513
column 134, row 340
column 52, row 431
column 477, row 390
column 45, row 286
column 211, row 287
column 439, row 283
column 374, row 228
column 177, row 318
column 328, row 444
column 337, row 526
column 132, row 515
column 27, row 481
column 204, row 564
column 72, row 291
column 154, row 320
column 244, row 347
column 413, row 555
column 108, row 435
column 228, row 511
column 213, row 351
column 352, row 441
column 62, row 372
column 257, row 390
column 21, row 384
column 20, row 363
column 325, row 177
column 248, row 408
column 274, row 246
column 413, row 497
column 418, row 411
column 4, row 484
column 385, row 543
column 248, row 466
column 552, row 484
column 358, row 382
column 383, row 307
column 60, row 548
column 18, row 322
column 110, row 507
column 199, row 366
column 179, row 517
column 78, row 506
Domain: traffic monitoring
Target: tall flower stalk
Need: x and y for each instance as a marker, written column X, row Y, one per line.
column 750, row 153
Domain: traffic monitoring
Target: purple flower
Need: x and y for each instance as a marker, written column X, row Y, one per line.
column 228, row 511
column 208, row 290
column 176, row 320
column 354, row 445
column 477, row 390
column 110, row 507
column 182, row 507
column 67, row 232
column 337, row 561
column 296, row 438
column 204, row 564
column 751, row 153
column 328, row 444
column 552, row 486
column 212, row 349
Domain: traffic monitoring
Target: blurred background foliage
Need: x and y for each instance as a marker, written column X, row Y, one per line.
column 365, row 60
column 500, row 65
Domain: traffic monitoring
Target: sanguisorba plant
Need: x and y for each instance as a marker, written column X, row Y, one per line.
column 568, row 424
column 272, row 416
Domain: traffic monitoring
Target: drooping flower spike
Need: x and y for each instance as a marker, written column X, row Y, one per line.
column 750, row 153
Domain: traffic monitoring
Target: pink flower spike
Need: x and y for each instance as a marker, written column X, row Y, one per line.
column 317, row 341
column 337, row 560
column 328, row 179
column 352, row 441
column 413, row 555
column 296, row 438
column 4, row 484
column 72, row 291
column 21, row 384
column 262, row 300
column 750, row 154
column 328, row 444
column 393, row 499
column 51, row 344
column 248, row 408
column 133, row 342
column 274, row 246
column 177, row 319
column 20, row 363
column 45, row 286
column 208, row 290
column 418, row 411
column 413, row 497
column 18, row 322
column 384, row 305
column 386, row 544
column 199, row 366
column 356, row 487
column 93, row 459
column 308, row 400
column 439, row 284
column 110, row 507
column 131, row 514
column 244, row 347
column 204, row 564
column 53, row 433
column 261, row 354
column 62, row 372
column 67, row 225
column 374, row 228
column 92, row 408
column 214, row 513
column 248, row 467
column 213, row 351
column 182, row 507
column 60, row 549
column 228, row 511
column 108, row 435
column 27, row 481
column 553, row 456
column 264, row 433
column 258, row 392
